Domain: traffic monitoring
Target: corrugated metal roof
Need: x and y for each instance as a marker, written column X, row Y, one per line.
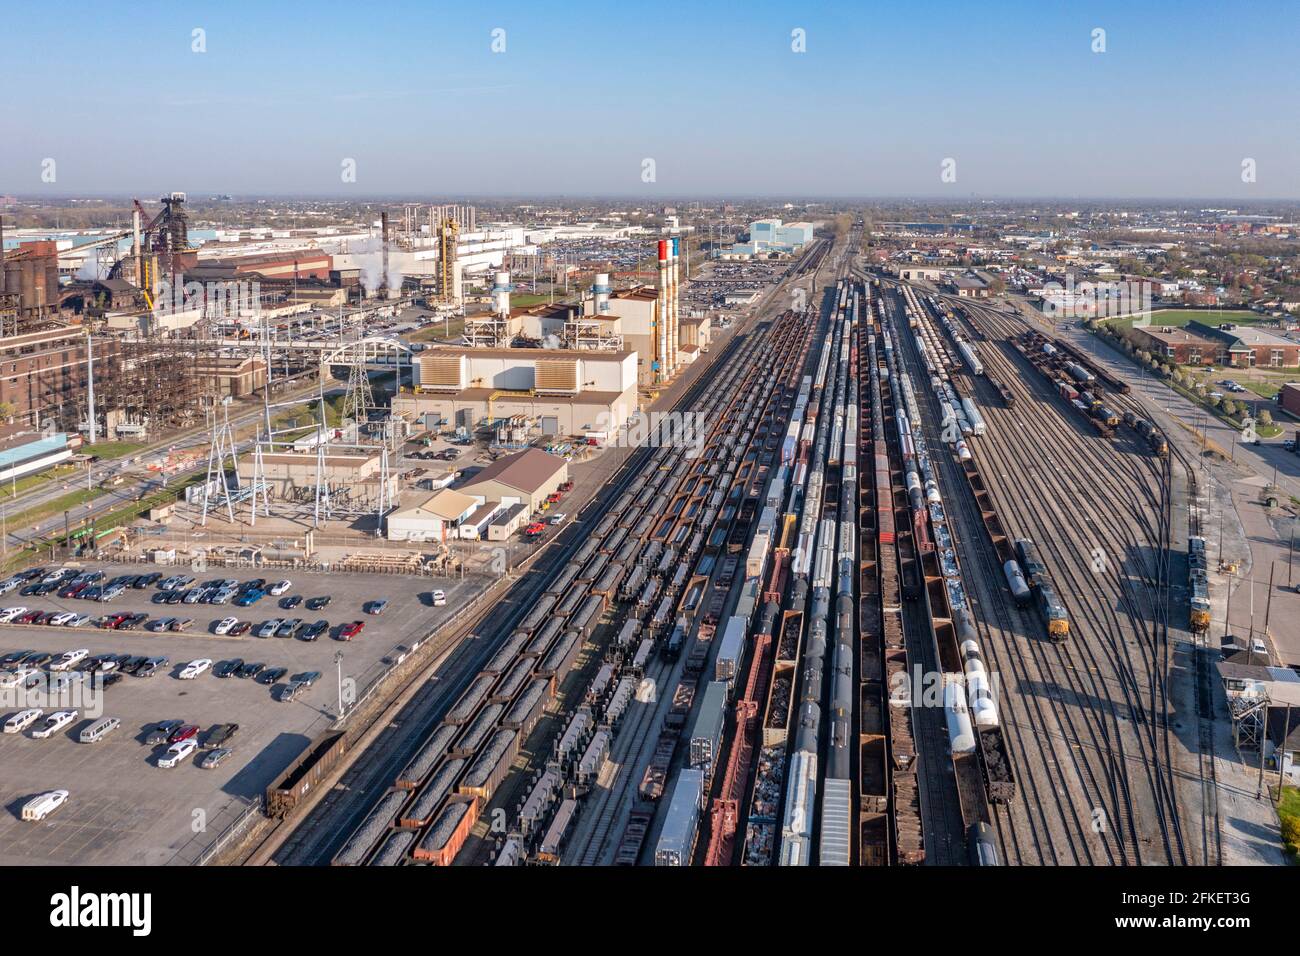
column 527, row 471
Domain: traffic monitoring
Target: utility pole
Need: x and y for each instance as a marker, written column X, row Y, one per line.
column 1279, row 752
column 338, row 662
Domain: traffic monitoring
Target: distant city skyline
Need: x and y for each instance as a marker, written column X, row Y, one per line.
column 1186, row 103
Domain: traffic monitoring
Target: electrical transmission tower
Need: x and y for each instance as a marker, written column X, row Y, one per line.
column 221, row 446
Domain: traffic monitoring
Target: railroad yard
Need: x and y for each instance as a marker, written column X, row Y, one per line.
column 908, row 599
column 909, row 603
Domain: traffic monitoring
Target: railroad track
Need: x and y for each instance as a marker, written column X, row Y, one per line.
column 318, row 836
column 1123, row 700
column 609, row 803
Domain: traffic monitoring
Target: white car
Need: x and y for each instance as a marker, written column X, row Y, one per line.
column 62, row 619
column 9, row 613
column 111, row 593
column 194, row 668
column 225, row 624
column 17, row 678
column 177, row 752
column 22, row 720
column 54, row 723
column 558, row 519
column 69, row 659
column 439, row 599
column 79, row 620
column 279, row 587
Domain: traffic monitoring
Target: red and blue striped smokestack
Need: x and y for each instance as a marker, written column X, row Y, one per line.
column 663, row 250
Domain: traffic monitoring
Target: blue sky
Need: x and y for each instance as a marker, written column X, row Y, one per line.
column 712, row 92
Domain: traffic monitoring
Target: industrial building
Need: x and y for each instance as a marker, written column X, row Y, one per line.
column 354, row 478
column 525, row 478
column 43, row 375
column 434, row 518
column 563, row 392
column 25, row 452
column 233, row 376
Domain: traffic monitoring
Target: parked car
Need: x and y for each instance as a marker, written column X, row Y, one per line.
column 194, row 668
column 227, row 668
column 268, row 628
column 251, row 669
column 439, row 598
column 224, row 625
column 316, row 603
column 54, row 723
column 162, row 730
column 181, row 624
column 214, row 758
column 183, row 732
column 314, row 630
column 349, row 631
column 291, row 601
column 306, row 678
column 279, row 587
column 220, row 734
column 242, row 628
column 272, row 674
column 176, row 753
column 375, row 607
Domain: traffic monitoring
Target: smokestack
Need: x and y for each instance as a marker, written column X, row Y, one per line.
column 135, row 248
column 383, row 233
column 2, row 253
column 673, row 337
column 600, row 292
column 660, row 338
column 501, row 295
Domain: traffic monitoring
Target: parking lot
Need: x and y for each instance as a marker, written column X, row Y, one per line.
column 123, row 808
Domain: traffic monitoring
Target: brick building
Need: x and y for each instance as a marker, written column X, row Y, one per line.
column 1178, row 344
column 43, row 374
column 1249, row 347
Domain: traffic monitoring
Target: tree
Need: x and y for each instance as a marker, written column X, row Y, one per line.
column 1265, row 417
column 7, row 410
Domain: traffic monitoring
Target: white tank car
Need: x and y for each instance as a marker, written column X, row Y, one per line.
column 961, row 736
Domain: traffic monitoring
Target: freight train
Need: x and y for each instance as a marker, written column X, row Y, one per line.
column 1055, row 617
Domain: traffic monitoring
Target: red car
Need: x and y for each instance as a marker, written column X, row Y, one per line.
column 533, row 530
column 349, row 631
column 182, row 733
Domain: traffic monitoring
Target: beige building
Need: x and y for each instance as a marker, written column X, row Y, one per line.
column 526, row 478
column 433, row 518
column 564, row 391
column 353, row 477
column 235, row 375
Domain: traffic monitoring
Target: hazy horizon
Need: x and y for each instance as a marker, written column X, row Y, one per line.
column 579, row 97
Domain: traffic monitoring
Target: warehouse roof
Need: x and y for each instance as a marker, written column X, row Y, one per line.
column 527, row 471
column 447, row 504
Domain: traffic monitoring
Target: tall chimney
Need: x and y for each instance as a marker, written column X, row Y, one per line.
column 383, row 239
column 600, row 293
column 501, row 295
column 660, row 337
column 135, row 248
column 673, row 335
column 2, row 253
